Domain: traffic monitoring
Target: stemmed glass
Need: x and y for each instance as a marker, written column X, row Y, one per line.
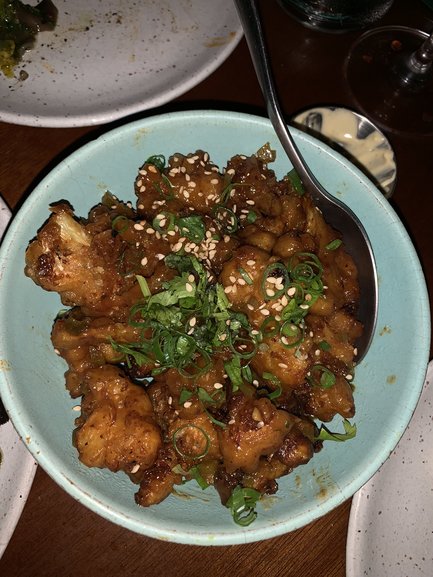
column 390, row 76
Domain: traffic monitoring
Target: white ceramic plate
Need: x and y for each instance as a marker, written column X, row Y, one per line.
column 106, row 60
column 17, row 467
column 391, row 520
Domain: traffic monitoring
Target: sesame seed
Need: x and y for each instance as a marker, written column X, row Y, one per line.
column 140, row 206
column 177, row 247
column 349, row 377
column 218, row 386
column 250, row 307
column 160, row 256
column 144, row 261
column 187, row 404
column 232, row 422
column 76, row 408
column 232, row 278
column 189, row 287
column 57, row 351
column 152, row 168
column 304, row 307
column 291, row 291
column 214, row 181
column 260, row 424
column 170, row 400
column 228, row 289
column 251, row 262
column 150, row 230
column 135, row 468
column 251, row 202
column 193, row 321
column 265, row 312
column 283, row 365
column 138, row 226
column 222, row 337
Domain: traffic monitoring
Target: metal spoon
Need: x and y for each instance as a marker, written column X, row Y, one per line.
column 335, row 212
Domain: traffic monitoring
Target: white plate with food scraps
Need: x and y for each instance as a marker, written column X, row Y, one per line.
column 391, row 520
column 107, row 60
column 353, row 135
column 17, row 467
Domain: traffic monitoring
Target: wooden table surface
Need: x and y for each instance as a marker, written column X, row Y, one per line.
column 58, row 537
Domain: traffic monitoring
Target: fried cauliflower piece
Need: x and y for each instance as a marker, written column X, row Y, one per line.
column 272, row 357
column 66, row 258
column 189, row 183
column 116, row 429
column 256, row 428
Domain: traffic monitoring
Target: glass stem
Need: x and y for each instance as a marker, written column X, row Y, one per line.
column 421, row 60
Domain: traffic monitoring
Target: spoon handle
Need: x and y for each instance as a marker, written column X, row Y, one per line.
column 250, row 19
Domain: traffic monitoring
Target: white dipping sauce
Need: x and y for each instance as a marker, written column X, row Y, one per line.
column 373, row 152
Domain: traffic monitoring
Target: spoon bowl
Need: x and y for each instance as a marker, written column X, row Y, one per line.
column 337, row 214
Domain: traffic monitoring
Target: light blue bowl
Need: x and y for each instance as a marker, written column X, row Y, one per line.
column 388, row 381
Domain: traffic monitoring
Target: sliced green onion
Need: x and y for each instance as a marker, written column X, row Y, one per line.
column 242, row 503
column 321, row 376
column 177, row 439
column 245, row 276
column 144, row 287
column 269, row 327
column 296, row 182
column 184, row 396
column 334, row 244
column 158, row 160
column 251, row 217
column 326, row 435
column 204, row 396
column 226, row 218
column 215, row 421
column 195, row 474
column 276, row 270
column 120, row 223
column 291, row 334
column 324, row 346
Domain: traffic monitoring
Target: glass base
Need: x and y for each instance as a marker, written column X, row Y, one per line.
column 396, row 101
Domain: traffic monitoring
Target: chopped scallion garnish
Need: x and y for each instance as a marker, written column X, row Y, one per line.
column 242, row 503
